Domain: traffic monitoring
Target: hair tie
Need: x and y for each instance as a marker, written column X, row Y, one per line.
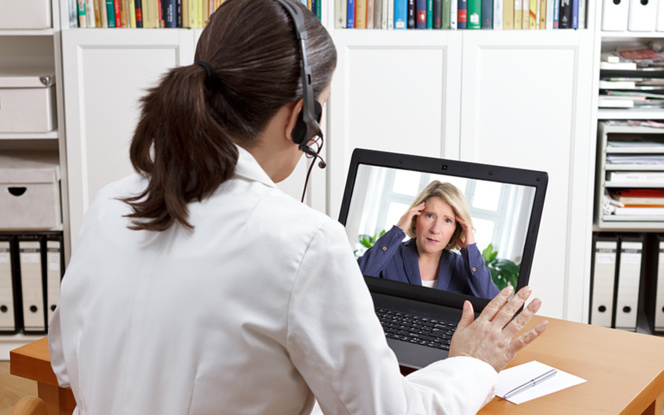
column 207, row 67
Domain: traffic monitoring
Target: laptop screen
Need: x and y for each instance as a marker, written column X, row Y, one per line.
column 504, row 205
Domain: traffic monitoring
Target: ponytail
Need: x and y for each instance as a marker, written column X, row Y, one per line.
column 180, row 148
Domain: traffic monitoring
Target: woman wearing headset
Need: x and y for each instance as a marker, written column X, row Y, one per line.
column 197, row 287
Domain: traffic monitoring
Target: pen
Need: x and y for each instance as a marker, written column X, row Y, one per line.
column 539, row 379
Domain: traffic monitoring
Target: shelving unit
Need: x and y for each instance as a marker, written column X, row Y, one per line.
column 608, row 133
column 39, row 50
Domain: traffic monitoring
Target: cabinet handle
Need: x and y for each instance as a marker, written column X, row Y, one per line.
column 17, row 191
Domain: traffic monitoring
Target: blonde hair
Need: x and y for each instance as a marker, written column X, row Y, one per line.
column 451, row 195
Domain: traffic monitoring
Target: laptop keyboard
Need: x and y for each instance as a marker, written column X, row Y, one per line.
column 416, row 329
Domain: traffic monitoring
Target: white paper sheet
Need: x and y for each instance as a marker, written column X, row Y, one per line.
column 511, row 378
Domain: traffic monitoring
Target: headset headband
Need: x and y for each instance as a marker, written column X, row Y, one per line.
column 309, row 116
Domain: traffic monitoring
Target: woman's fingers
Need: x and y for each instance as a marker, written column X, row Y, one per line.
column 495, row 305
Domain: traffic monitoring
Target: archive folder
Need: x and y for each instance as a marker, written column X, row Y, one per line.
column 642, row 15
column 654, row 284
column 32, row 283
column 614, row 15
column 54, row 268
column 9, row 316
column 628, row 282
column 604, row 261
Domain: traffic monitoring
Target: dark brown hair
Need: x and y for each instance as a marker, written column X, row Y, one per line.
column 183, row 143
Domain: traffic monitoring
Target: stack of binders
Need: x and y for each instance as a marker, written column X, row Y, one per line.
column 31, row 269
column 632, row 15
column 617, row 268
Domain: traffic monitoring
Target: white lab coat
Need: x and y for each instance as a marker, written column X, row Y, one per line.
column 258, row 310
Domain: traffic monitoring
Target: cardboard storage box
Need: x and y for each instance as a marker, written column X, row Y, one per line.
column 30, row 190
column 27, row 103
column 25, row 14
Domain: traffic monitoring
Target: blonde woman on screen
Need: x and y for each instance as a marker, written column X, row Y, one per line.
column 438, row 223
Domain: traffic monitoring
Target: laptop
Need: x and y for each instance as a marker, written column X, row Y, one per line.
column 505, row 205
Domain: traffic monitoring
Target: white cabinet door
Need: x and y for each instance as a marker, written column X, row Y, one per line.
column 526, row 103
column 393, row 91
column 106, row 72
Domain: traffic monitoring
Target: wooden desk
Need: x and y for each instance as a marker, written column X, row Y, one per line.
column 625, row 372
column 32, row 361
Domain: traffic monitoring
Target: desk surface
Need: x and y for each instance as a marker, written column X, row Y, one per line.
column 625, row 371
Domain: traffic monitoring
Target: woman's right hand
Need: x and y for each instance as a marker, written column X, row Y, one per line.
column 407, row 218
column 491, row 337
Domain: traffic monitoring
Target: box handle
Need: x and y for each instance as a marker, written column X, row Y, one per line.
column 17, row 191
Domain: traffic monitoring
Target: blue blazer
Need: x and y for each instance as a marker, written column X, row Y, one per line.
column 395, row 260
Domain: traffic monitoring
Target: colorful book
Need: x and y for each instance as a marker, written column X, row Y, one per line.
column 549, row 15
column 411, row 14
column 82, row 18
column 462, row 14
column 474, row 14
column 169, row 12
column 575, row 14
column 132, row 14
column 350, row 14
column 90, row 13
column 508, row 15
column 454, row 14
column 542, row 15
column 525, row 14
column 441, row 14
column 178, row 11
column 498, row 14
column 205, row 13
column 73, row 13
column 565, row 18
column 487, row 14
column 138, row 7
column 118, row 13
column 96, row 4
column 518, row 14
column 429, row 14
column 390, row 13
column 532, row 13
column 193, row 13
column 103, row 15
column 421, row 14
column 360, row 14
column 185, row 13
column 556, row 13
column 378, row 15
column 370, row 13
column 340, row 13
column 110, row 13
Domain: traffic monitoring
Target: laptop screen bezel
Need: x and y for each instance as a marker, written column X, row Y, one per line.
column 500, row 174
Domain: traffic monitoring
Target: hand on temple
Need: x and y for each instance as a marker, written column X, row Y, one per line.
column 407, row 218
column 468, row 233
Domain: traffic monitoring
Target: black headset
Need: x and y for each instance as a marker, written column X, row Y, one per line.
column 307, row 125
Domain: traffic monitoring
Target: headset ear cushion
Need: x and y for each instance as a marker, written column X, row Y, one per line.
column 300, row 128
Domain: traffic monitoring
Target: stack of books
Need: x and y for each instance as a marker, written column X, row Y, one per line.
column 150, row 13
column 635, row 178
column 460, row 14
column 648, row 202
column 632, row 79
